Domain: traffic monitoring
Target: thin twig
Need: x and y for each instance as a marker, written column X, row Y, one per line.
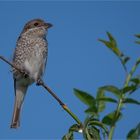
column 41, row 83
column 2, row 58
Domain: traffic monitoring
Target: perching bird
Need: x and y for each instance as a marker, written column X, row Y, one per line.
column 30, row 56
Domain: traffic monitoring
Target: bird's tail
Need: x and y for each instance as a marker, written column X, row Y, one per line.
column 20, row 92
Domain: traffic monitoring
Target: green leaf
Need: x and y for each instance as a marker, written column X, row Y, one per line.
column 108, row 99
column 138, row 42
column 125, row 60
column 138, row 36
column 68, row 136
column 135, row 80
column 108, row 119
column 112, row 89
column 111, row 39
column 138, row 61
column 74, row 128
column 91, row 133
column 100, row 104
column 100, row 124
column 92, row 110
column 85, row 97
column 131, row 101
column 112, row 45
column 129, row 89
column 134, row 134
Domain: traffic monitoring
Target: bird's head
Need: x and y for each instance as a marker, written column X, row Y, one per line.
column 36, row 23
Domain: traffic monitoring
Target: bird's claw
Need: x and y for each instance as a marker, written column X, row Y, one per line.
column 39, row 82
column 25, row 74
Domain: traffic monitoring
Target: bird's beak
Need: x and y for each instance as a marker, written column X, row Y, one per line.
column 48, row 25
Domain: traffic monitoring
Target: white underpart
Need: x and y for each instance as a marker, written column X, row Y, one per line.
column 33, row 65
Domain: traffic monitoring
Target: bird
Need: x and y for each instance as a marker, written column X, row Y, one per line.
column 30, row 56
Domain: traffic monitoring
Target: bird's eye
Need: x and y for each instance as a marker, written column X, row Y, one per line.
column 36, row 24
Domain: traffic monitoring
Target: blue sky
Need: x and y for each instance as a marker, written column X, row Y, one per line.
column 76, row 60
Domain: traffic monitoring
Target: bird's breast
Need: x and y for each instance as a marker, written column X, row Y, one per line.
column 30, row 55
column 35, row 63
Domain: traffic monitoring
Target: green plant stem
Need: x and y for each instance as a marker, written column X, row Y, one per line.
column 72, row 115
column 128, row 78
column 119, row 106
column 112, row 128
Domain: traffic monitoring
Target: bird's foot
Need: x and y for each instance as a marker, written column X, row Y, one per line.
column 25, row 74
column 39, row 82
